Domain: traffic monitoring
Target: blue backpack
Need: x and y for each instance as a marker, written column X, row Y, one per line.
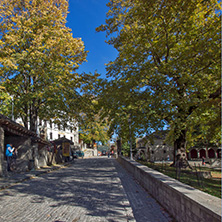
column 8, row 153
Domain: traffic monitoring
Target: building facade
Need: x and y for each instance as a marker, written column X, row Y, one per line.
column 154, row 148
column 211, row 152
column 52, row 131
column 32, row 150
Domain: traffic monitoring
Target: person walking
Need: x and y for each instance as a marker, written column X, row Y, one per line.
column 14, row 158
column 9, row 153
column 203, row 160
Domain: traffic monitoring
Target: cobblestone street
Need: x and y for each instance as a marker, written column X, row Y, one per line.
column 94, row 189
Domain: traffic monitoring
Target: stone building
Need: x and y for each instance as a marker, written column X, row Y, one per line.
column 154, row 147
column 210, row 152
column 32, row 150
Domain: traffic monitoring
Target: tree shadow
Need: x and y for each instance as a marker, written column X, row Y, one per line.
column 91, row 186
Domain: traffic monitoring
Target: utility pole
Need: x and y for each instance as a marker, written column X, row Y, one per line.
column 12, row 108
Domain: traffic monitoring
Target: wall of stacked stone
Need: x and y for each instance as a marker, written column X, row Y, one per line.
column 1, row 150
column 183, row 202
column 24, row 153
column 42, row 157
column 30, row 155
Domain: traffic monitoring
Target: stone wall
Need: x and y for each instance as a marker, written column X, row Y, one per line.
column 42, row 157
column 160, row 151
column 183, row 202
column 30, row 155
column 1, row 150
column 32, row 150
column 89, row 152
column 24, row 153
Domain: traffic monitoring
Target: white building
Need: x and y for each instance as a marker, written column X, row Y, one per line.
column 52, row 131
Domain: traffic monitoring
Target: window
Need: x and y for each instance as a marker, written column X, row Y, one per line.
column 58, row 135
column 50, row 136
column 50, row 123
column 58, row 126
column 71, row 138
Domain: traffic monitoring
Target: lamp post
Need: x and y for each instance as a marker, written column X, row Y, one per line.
column 12, row 108
column 130, row 134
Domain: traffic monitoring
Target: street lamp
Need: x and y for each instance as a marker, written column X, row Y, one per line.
column 130, row 134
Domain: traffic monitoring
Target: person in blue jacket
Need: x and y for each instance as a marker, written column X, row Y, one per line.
column 9, row 153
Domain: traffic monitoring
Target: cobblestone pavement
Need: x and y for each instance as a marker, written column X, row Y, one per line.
column 94, row 189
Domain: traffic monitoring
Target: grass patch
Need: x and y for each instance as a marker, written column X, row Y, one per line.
column 209, row 185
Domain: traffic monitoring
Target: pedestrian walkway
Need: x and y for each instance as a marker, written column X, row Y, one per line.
column 14, row 177
column 145, row 208
column 94, row 189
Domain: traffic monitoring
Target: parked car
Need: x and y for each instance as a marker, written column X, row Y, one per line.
column 104, row 153
column 74, row 155
column 78, row 153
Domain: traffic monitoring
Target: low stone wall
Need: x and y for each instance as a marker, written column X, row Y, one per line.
column 183, row 202
column 89, row 152
column 30, row 157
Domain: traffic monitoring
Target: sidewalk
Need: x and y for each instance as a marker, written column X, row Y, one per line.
column 17, row 177
column 90, row 189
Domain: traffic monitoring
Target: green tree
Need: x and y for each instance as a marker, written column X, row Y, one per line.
column 94, row 129
column 38, row 58
column 169, row 53
column 5, row 101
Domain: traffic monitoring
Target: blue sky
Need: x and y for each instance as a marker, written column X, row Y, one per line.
column 83, row 18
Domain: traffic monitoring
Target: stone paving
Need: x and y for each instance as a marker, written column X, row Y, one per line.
column 88, row 190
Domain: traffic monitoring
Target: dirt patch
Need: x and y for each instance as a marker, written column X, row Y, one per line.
column 216, row 175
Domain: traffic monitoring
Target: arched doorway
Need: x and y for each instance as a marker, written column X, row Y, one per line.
column 202, row 153
column 211, row 153
column 193, row 154
column 218, row 153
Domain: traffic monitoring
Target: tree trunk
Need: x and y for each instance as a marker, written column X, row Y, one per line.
column 33, row 114
column 180, row 156
column 119, row 147
column 24, row 117
column 180, row 146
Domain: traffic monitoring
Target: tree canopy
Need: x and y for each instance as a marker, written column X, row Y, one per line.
column 39, row 58
column 94, row 130
column 168, row 65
